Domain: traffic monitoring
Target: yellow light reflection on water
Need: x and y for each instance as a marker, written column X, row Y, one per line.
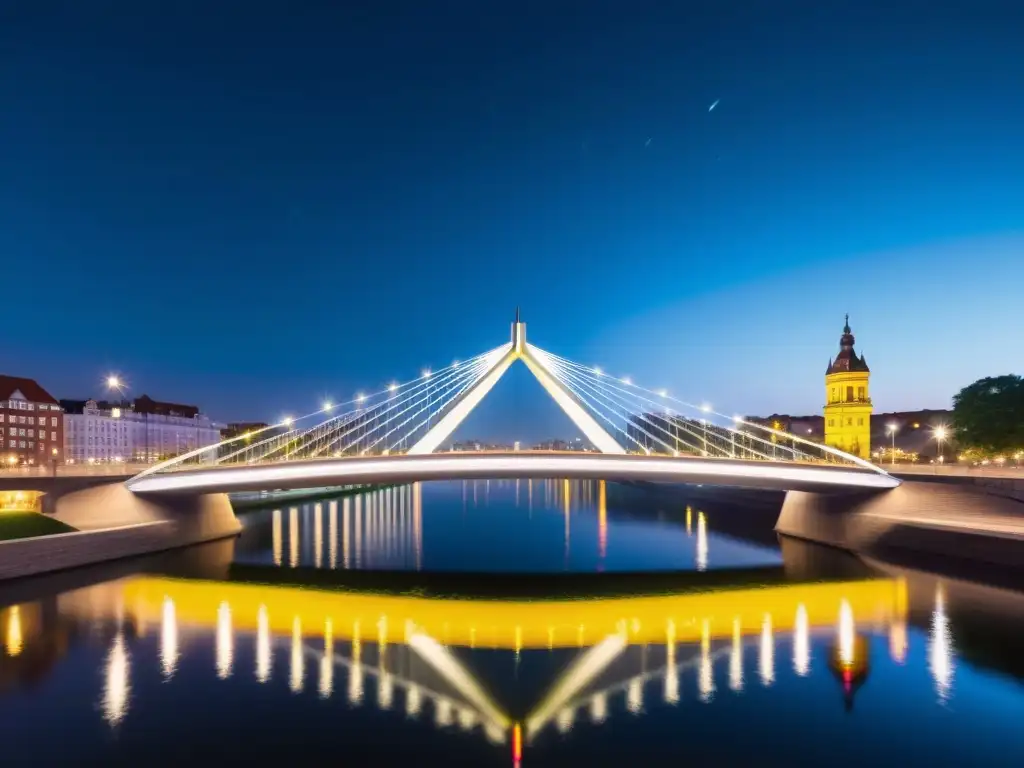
column 13, row 641
column 512, row 623
column 276, row 536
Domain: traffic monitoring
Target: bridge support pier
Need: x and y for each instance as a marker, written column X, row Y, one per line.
column 959, row 522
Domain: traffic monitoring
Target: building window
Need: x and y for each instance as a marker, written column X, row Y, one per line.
column 21, row 432
column 849, row 394
column 831, row 422
column 849, row 422
column 861, row 393
column 42, row 420
column 21, row 419
column 2, row 418
column 21, row 443
column 860, row 421
column 31, row 433
column 13, row 443
column 14, row 430
column 53, row 421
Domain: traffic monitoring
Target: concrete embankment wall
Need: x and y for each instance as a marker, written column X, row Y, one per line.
column 114, row 523
column 1010, row 487
column 958, row 521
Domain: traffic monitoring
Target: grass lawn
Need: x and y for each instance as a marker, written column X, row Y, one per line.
column 24, row 525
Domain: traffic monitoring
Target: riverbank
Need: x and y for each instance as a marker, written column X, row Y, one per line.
column 15, row 525
column 956, row 521
column 109, row 522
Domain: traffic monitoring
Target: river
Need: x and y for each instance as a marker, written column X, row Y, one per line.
column 539, row 623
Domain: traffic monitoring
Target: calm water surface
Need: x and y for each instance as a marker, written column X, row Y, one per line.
column 280, row 645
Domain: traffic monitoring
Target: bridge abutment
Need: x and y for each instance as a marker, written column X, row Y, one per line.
column 113, row 523
column 959, row 522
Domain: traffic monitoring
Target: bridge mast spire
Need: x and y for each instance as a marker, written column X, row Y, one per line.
column 518, row 334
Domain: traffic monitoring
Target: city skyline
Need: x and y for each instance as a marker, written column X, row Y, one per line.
column 301, row 210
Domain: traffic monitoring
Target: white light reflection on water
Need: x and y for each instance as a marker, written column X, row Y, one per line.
column 117, row 685
column 225, row 641
column 168, row 639
column 263, row 658
column 736, row 658
column 327, row 662
column 705, row 676
column 847, row 634
column 298, row 666
column 941, row 661
column 766, row 658
column 702, row 542
column 801, row 642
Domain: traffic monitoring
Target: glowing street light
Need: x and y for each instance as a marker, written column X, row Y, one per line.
column 392, row 387
column 626, row 380
column 426, row 373
column 598, row 371
column 360, row 397
column 114, row 382
column 940, row 433
column 706, row 407
column 328, row 405
column 892, row 429
column 662, row 393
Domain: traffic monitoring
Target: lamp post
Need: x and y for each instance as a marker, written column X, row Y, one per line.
column 940, row 434
column 892, row 429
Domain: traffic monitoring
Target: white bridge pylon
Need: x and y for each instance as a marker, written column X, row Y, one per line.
column 517, row 349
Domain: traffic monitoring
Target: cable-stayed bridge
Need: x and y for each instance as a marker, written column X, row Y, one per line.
column 398, row 434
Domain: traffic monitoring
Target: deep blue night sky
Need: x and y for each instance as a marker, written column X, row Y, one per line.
column 251, row 205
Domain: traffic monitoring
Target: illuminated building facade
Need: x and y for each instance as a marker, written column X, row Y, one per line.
column 848, row 400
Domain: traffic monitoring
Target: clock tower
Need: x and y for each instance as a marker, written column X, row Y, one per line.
column 848, row 400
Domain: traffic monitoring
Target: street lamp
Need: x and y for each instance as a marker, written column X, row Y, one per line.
column 940, row 433
column 892, row 429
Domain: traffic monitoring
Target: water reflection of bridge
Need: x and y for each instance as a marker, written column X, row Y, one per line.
column 401, row 652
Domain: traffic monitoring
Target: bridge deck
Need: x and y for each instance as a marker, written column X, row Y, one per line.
column 292, row 475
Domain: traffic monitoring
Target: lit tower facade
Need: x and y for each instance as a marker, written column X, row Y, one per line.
column 848, row 400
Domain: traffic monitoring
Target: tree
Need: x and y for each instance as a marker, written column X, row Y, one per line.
column 989, row 415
